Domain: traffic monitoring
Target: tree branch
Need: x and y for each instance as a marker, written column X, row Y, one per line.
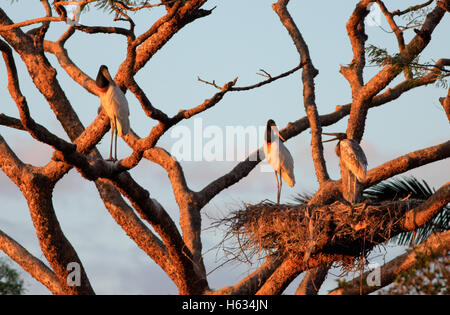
column 397, row 31
column 243, row 168
column 253, row 282
column 185, row 15
column 104, row 30
column 420, row 215
column 412, row 8
column 289, row 269
column 356, row 124
column 39, row 68
column 185, row 283
column 36, row 131
column 308, row 75
column 407, row 162
column 186, row 114
column 240, row 171
column 124, row 215
column 35, row 267
column 11, row 122
column 190, row 218
column 56, row 247
column 143, row 144
column 147, row 106
column 269, row 80
column 312, row 281
column 188, row 281
column 10, row 164
column 30, row 22
column 279, row 280
column 356, row 33
column 71, row 69
column 445, row 102
column 155, row 27
column 389, row 169
column 436, row 244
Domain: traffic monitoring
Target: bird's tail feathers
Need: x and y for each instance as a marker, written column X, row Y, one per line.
column 123, row 128
column 288, row 178
column 360, row 173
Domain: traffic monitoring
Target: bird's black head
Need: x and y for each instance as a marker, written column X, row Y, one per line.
column 102, row 77
column 272, row 131
column 270, row 124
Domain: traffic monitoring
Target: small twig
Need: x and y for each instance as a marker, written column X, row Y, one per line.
column 413, row 8
column 407, row 197
column 408, row 27
column 264, row 74
column 213, row 83
column 146, row 5
column 269, row 80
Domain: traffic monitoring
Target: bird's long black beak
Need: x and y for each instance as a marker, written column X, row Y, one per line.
column 331, row 134
column 277, row 132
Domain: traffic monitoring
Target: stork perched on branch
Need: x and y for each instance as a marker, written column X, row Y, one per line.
column 278, row 157
column 115, row 105
column 353, row 163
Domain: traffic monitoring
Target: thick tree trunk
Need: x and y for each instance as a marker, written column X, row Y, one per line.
column 56, row 247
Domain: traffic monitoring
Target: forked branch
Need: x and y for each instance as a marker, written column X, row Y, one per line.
column 309, row 97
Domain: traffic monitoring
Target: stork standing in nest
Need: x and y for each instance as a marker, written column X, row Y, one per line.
column 353, row 163
column 278, row 157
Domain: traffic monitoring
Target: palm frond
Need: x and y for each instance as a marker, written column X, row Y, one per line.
column 410, row 187
column 301, row 198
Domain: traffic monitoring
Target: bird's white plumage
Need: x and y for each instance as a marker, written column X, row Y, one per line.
column 281, row 160
column 116, row 107
column 354, row 159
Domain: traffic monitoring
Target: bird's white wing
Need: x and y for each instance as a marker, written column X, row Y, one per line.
column 105, row 101
column 120, row 110
column 286, row 165
column 354, row 158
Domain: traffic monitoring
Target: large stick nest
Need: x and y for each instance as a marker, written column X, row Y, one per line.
column 339, row 228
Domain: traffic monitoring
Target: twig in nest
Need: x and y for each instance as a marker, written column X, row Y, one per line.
column 407, row 197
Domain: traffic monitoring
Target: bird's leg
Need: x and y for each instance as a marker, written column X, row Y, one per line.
column 115, row 136
column 111, row 146
column 115, row 146
column 281, row 184
column 349, row 191
column 278, row 188
column 349, row 187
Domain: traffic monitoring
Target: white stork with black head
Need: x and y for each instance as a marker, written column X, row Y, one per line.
column 278, row 157
column 353, row 163
column 115, row 105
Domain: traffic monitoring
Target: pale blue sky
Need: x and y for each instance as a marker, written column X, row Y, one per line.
column 238, row 39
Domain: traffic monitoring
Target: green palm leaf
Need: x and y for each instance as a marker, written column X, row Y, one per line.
column 409, row 187
column 301, row 198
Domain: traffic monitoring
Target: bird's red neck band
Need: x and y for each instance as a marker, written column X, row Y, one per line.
column 102, row 90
